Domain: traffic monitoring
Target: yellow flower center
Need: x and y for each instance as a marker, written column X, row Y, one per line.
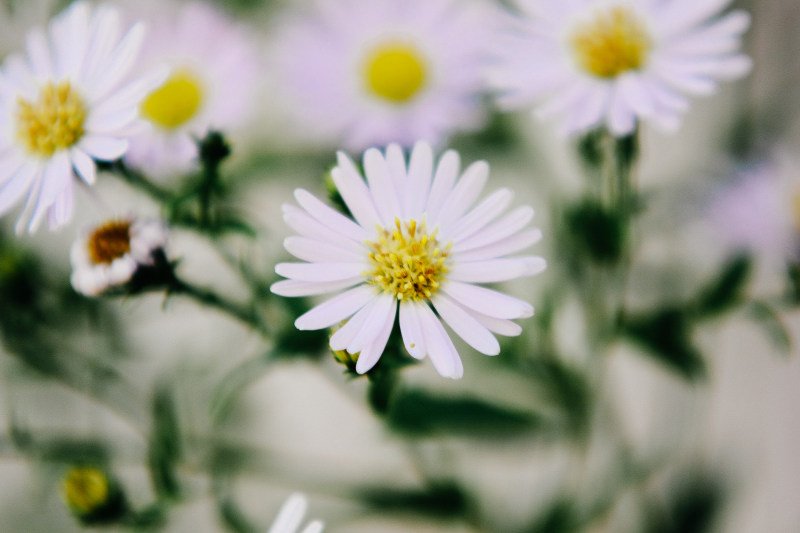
column 614, row 41
column 395, row 72
column 407, row 262
column 174, row 103
column 53, row 122
column 110, row 241
column 85, row 489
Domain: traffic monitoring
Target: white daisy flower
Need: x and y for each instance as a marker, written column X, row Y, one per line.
column 63, row 106
column 367, row 73
column 214, row 71
column 108, row 256
column 291, row 516
column 416, row 249
column 614, row 62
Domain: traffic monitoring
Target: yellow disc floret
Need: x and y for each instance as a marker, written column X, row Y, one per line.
column 174, row 103
column 55, row 121
column 85, row 489
column 110, row 241
column 395, row 72
column 615, row 40
column 407, row 261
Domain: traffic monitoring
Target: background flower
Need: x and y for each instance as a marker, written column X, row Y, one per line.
column 613, row 63
column 214, row 79
column 367, row 73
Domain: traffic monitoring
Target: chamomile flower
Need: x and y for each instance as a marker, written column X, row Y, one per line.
column 291, row 516
column 367, row 73
column 62, row 107
column 214, row 71
column 107, row 256
column 416, row 249
column 614, row 63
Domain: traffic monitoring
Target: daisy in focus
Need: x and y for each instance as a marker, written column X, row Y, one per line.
column 214, row 69
column 416, row 250
column 364, row 73
column 108, row 256
column 63, row 106
column 613, row 63
column 291, row 516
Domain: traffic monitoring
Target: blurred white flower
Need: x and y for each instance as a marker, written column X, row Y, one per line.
column 214, row 76
column 364, row 73
column 65, row 106
column 759, row 211
column 415, row 241
column 614, row 62
column 107, row 256
column 291, row 515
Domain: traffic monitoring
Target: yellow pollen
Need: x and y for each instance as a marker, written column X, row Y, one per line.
column 395, row 72
column 53, row 122
column 110, row 241
column 407, row 262
column 85, row 489
column 614, row 41
column 174, row 103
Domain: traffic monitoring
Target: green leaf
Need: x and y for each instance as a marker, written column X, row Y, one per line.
column 594, row 232
column 165, row 444
column 440, row 500
column 692, row 507
column 559, row 517
column 771, row 322
column 725, row 290
column 666, row 336
column 422, row 413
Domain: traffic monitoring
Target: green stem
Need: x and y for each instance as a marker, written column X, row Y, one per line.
column 137, row 180
column 243, row 313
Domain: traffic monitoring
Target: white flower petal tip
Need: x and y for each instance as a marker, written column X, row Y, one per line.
column 291, row 515
column 66, row 99
column 359, row 98
column 591, row 64
column 420, row 239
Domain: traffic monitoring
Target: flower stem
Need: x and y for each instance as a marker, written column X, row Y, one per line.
column 243, row 313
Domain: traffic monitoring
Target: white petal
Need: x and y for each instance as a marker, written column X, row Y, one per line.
column 329, row 216
column 84, row 166
column 292, row 287
column 319, row 271
column 314, row 527
column 500, row 326
column 318, row 251
column 509, row 245
column 354, row 192
column 464, row 194
column 443, row 180
column 497, row 269
column 487, row 301
column 16, row 185
column 39, row 53
column 308, row 226
column 396, row 161
column 343, row 337
column 57, row 176
column 371, row 353
column 381, row 187
column 103, row 148
column 465, row 325
column 420, row 172
column 290, row 515
column 335, row 309
column 482, row 214
column 61, row 211
column 440, row 347
column 385, row 304
column 506, row 226
column 119, row 61
column 411, row 330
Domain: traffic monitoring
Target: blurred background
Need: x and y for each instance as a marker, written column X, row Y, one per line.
column 695, row 433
